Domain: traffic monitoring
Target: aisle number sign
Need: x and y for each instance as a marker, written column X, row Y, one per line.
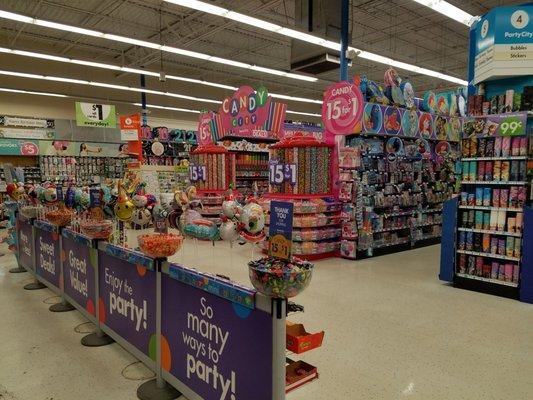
column 342, row 108
column 280, row 229
column 96, row 115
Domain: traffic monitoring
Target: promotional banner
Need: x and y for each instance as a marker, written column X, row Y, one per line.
column 130, row 126
column 503, row 43
column 509, row 124
column 66, row 148
column 79, row 262
column 127, row 301
column 280, row 229
column 26, row 133
column 217, row 348
column 6, row 120
column 11, row 147
column 25, row 237
column 248, row 113
column 342, row 108
column 96, row 115
column 47, row 263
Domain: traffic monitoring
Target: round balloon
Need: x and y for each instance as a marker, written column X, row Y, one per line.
column 229, row 231
column 392, row 121
column 410, row 123
column 372, row 118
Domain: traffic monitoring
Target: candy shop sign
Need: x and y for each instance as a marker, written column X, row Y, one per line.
column 246, row 107
column 342, row 108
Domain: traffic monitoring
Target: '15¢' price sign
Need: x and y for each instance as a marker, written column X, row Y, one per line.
column 280, row 229
column 197, row 173
column 280, row 173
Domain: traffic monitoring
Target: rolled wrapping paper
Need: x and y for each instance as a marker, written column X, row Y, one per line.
column 517, row 247
column 466, row 171
column 479, row 196
column 509, row 246
column 495, row 270
column 504, row 198
column 498, row 146
column 501, row 220
column 471, row 199
column 489, row 165
column 473, row 147
column 486, row 243
column 478, row 220
column 522, row 171
column 501, row 247
column 462, row 240
column 486, row 220
column 515, row 146
column 521, row 196
column 489, row 147
column 471, row 218
column 471, row 267
column 523, row 146
column 516, row 273
column 496, row 172
column 513, row 175
column 462, row 263
column 479, row 266
column 469, row 240
column 473, row 170
column 494, row 245
column 509, row 272
column 465, row 144
column 464, row 198
column 505, row 171
column 486, row 196
column 478, row 241
column 511, row 224
column 506, row 146
column 519, row 221
column 493, row 220
column 501, row 272
column 465, row 219
column 480, row 171
column 495, row 198
column 486, row 270
column 481, row 147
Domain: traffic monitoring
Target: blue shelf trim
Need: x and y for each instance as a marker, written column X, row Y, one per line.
column 131, row 256
column 228, row 290
column 526, row 269
column 77, row 237
column 447, row 249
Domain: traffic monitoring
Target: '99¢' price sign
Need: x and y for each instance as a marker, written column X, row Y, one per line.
column 511, row 126
column 342, row 108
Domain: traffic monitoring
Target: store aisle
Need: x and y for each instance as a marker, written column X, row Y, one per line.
column 392, row 331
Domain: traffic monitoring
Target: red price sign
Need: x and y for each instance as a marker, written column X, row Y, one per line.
column 342, row 108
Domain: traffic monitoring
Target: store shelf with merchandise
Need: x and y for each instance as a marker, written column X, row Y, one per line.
column 317, row 213
column 397, row 198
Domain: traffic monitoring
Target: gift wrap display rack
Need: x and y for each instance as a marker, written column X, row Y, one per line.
column 204, row 336
column 300, row 170
column 488, row 229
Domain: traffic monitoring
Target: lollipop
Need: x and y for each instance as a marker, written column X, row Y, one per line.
column 124, row 206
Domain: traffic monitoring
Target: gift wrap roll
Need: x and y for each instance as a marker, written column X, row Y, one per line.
column 509, row 246
column 501, row 220
column 496, row 171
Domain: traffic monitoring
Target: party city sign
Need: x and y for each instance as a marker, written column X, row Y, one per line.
column 248, row 113
column 502, row 43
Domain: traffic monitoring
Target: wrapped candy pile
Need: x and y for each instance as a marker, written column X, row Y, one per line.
column 279, row 278
column 160, row 245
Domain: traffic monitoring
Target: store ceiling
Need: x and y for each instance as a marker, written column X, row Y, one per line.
column 400, row 29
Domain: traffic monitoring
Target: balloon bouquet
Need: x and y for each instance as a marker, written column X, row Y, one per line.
column 243, row 223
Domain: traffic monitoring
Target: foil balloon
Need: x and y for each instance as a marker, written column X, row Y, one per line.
column 231, row 208
column 229, row 231
column 124, row 206
column 70, row 197
column 140, row 200
column 252, row 222
column 141, row 216
column 50, row 195
column 15, row 192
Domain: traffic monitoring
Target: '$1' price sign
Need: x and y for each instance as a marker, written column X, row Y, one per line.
column 197, row 173
column 280, row 247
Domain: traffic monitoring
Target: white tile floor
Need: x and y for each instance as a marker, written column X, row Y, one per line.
column 393, row 331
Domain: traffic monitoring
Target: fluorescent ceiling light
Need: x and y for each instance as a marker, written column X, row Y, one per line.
column 258, row 23
column 142, row 71
column 32, row 92
column 105, row 85
column 143, row 43
column 304, row 113
column 168, row 108
column 448, row 10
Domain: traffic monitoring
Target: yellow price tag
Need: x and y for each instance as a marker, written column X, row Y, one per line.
column 280, row 247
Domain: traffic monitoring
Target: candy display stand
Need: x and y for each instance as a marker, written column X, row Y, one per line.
column 300, row 173
column 213, row 172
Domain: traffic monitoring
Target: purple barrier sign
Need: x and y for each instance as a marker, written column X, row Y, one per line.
column 79, row 273
column 217, row 348
column 47, row 256
column 25, row 246
column 127, row 301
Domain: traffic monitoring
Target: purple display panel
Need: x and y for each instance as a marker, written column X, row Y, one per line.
column 127, row 301
column 79, row 263
column 25, row 245
column 47, row 262
column 217, row 348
